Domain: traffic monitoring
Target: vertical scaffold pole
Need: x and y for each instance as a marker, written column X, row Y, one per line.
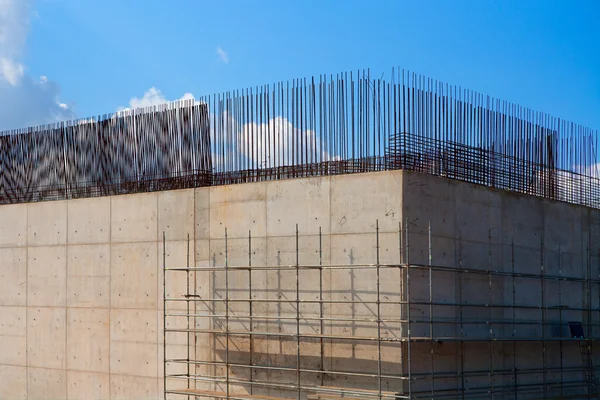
column 379, row 382
column 543, row 304
column 490, row 314
column 588, row 289
column 298, row 376
column 226, row 316
column 560, row 315
column 250, row 309
column 164, row 316
column 514, row 325
column 430, row 270
column 460, row 313
column 408, row 332
column 187, row 304
column 402, row 292
column 322, row 323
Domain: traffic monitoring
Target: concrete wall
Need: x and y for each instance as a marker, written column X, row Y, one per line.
column 478, row 228
column 81, row 294
column 81, row 298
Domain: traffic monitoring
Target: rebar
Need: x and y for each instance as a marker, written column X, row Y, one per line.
column 342, row 124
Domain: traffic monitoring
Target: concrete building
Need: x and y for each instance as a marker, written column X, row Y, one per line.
column 341, row 239
column 82, row 300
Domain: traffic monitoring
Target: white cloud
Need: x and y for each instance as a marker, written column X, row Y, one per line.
column 270, row 144
column 11, row 71
column 222, row 55
column 26, row 101
column 152, row 97
column 14, row 24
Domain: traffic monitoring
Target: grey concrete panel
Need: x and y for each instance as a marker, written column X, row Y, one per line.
column 13, row 225
column 46, row 337
column 444, row 251
column 239, row 208
column 87, row 386
column 47, row 223
column 13, row 382
column 176, row 214
column 134, row 218
column 428, row 198
column 357, row 201
column 88, row 340
column 123, row 387
column 523, row 220
column 202, row 213
column 304, row 202
column 202, row 249
column 179, row 352
column 237, row 251
column 176, row 256
column 562, row 227
column 238, row 218
column 13, row 275
column 359, row 249
column 129, row 358
column 89, row 220
column 479, row 222
column 238, row 193
column 13, row 335
column 134, row 275
column 88, row 276
column 136, row 326
column 13, row 350
column 47, row 276
column 43, row 383
column 312, row 250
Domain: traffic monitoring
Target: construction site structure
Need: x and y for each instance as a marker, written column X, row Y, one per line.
column 421, row 312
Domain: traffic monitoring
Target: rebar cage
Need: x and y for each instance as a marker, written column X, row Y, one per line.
column 392, row 329
column 325, row 125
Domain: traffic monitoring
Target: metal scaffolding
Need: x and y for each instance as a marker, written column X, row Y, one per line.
column 384, row 330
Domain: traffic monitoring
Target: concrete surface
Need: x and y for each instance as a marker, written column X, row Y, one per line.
column 81, row 299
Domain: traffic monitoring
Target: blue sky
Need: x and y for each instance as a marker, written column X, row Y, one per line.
column 75, row 58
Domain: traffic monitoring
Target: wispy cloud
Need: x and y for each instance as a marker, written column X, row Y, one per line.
column 26, row 100
column 222, row 55
column 152, row 97
column 11, row 71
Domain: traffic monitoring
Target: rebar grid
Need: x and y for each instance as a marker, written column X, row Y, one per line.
column 327, row 125
column 224, row 375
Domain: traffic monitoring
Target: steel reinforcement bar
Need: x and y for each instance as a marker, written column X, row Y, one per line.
column 326, row 125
